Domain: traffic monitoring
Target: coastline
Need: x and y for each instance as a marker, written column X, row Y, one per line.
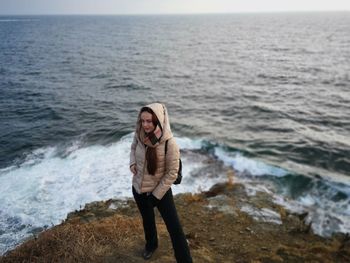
column 217, row 224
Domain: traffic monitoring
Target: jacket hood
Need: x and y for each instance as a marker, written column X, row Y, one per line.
column 162, row 114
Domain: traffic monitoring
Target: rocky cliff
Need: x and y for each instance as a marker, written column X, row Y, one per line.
column 224, row 224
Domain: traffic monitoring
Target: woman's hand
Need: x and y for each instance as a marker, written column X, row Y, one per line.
column 133, row 169
column 154, row 200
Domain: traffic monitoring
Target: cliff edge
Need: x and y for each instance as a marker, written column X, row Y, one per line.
column 224, row 224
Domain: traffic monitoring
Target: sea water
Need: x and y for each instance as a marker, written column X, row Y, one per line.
column 267, row 95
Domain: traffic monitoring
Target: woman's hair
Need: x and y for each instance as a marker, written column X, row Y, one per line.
column 151, row 153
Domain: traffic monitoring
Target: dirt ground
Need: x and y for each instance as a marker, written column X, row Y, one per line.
column 217, row 229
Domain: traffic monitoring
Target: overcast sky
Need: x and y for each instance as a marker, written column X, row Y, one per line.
column 166, row 6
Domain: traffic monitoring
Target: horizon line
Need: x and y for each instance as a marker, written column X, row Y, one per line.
column 165, row 14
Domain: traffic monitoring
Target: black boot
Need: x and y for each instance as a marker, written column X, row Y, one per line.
column 147, row 254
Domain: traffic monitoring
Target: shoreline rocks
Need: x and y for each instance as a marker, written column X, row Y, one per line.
column 223, row 224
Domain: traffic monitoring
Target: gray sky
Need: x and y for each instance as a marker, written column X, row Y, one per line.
column 166, row 6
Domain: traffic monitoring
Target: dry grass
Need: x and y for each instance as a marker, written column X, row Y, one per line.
column 77, row 242
column 191, row 198
column 230, row 178
column 213, row 236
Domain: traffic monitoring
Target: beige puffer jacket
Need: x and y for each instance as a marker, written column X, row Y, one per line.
column 168, row 164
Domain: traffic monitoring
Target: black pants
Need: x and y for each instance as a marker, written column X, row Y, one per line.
column 167, row 209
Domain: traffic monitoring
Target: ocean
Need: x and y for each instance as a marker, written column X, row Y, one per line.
column 266, row 95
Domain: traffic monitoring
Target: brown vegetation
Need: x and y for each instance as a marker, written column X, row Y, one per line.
column 216, row 228
column 79, row 242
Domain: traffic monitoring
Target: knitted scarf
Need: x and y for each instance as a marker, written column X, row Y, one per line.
column 152, row 139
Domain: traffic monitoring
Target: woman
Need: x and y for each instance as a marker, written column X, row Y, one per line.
column 154, row 171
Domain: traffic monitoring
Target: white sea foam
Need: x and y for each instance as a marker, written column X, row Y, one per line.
column 52, row 182
column 306, row 169
column 188, row 143
column 245, row 165
column 327, row 214
column 46, row 187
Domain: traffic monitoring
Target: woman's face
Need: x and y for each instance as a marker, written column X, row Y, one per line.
column 146, row 121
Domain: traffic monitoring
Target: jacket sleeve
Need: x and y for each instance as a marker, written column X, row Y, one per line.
column 171, row 169
column 132, row 152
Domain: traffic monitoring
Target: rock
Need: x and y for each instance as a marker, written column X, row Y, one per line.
column 101, row 234
column 216, row 189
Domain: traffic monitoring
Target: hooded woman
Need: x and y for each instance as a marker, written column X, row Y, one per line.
column 154, row 170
